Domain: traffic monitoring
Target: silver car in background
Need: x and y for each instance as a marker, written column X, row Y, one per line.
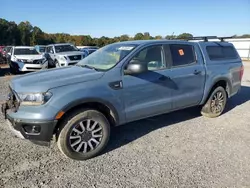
column 63, row 54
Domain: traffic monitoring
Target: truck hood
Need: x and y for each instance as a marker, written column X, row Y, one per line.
column 44, row 80
column 28, row 57
column 70, row 53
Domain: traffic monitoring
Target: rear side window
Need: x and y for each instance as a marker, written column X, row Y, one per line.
column 221, row 52
column 182, row 54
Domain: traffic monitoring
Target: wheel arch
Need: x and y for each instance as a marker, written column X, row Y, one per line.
column 103, row 106
column 223, row 82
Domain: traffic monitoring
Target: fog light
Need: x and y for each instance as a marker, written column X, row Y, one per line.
column 32, row 129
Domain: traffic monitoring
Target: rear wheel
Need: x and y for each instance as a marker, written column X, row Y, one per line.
column 84, row 134
column 215, row 104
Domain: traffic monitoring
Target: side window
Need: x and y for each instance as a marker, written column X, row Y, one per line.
column 50, row 50
column 151, row 56
column 182, row 54
column 221, row 52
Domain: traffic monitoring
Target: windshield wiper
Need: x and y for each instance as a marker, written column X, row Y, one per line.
column 89, row 67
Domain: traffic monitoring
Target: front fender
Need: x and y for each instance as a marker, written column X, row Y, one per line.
column 92, row 100
column 65, row 98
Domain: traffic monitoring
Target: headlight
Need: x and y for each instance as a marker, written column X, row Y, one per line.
column 34, row 99
column 19, row 60
column 62, row 58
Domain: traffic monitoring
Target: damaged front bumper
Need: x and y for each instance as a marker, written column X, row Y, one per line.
column 37, row 131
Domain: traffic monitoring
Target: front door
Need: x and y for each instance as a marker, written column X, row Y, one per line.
column 148, row 93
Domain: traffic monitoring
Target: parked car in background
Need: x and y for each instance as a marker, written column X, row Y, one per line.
column 5, row 52
column 40, row 48
column 25, row 59
column 121, row 83
column 63, row 54
column 89, row 49
column 1, row 55
column 1, row 49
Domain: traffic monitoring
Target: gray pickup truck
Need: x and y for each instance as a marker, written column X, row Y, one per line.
column 120, row 83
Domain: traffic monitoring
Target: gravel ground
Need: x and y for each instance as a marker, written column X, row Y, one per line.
column 180, row 149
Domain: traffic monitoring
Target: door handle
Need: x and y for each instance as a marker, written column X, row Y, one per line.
column 196, row 72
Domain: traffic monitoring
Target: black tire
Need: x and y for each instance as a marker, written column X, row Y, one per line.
column 51, row 63
column 56, row 63
column 209, row 108
column 71, row 123
column 12, row 70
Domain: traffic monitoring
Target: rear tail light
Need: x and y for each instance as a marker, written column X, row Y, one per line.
column 241, row 72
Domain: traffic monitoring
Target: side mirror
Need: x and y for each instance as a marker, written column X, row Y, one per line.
column 135, row 67
column 9, row 53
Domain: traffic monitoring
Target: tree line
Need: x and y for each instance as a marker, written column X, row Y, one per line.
column 26, row 34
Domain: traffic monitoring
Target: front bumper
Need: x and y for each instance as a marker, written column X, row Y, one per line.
column 25, row 67
column 37, row 131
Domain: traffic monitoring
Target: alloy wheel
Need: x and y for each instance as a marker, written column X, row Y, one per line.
column 217, row 102
column 86, row 136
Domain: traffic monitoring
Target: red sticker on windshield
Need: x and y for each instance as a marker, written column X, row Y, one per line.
column 181, row 52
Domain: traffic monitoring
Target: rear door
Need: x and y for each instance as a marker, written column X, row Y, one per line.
column 187, row 74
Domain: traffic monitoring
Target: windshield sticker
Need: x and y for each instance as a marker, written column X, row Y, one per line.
column 125, row 48
column 181, row 52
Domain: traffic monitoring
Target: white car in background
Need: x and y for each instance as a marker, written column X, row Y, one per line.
column 25, row 59
column 63, row 54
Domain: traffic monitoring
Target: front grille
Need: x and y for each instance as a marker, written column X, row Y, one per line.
column 37, row 62
column 72, row 63
column 75, row 57
column 30, row 68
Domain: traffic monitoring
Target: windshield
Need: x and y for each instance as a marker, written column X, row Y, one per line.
column 65, row 48
column 91, row 50
column 7, row 49
column 108, row 56
column 25, row 51
column 42, row 49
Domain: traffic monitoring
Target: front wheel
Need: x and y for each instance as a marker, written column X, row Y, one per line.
column 57, row 64
column 215, row 104
column 84, row 134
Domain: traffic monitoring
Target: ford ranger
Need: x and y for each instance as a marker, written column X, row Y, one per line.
column 120, row 83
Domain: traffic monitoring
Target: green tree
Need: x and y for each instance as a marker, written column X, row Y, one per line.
column 184, row 36
column 123, row 38
column 147, row 36
column 170, row 36
column 25, row 29
column 158, row 37
column 37, row 36
column 139, row 36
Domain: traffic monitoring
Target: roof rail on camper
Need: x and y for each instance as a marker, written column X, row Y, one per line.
column 205, row 38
